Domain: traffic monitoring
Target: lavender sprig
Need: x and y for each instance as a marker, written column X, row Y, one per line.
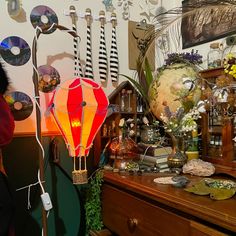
column 180, row 113
column 193, row 58
column 167, row 112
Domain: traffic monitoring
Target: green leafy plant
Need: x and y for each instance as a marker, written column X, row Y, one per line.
column 93, row 203
column 145, row 79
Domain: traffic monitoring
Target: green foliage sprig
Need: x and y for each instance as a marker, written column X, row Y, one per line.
column 93, row 203
column 145, row 78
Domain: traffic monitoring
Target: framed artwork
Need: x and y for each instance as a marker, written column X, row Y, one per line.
column 209, row 23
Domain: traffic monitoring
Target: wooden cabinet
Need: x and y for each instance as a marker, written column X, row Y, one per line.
column 129, row 215
column 218, row 131
column 131, row 107
column 136, row 205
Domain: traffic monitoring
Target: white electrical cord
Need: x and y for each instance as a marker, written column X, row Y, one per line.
column 29, row 188
column 36, row 134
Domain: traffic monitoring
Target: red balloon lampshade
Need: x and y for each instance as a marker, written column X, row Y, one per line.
column 79, row 107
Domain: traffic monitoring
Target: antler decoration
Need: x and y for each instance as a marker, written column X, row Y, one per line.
column 102, row 59
column 77, row 65
column 89, row 66
column 114, row 63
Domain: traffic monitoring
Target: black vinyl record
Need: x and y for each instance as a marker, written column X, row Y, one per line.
column 43, row 17
column 21, row 105
column 15, row 51
column 49, row 78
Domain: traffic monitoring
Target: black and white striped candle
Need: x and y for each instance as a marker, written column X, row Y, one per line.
column 114, row 62
column 77, row 65
column 102, row 58
column 89, row 64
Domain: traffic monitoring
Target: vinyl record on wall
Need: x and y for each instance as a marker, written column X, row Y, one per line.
column 21, row 105
column 15, row 51
column 43, row 17
column 49, row 78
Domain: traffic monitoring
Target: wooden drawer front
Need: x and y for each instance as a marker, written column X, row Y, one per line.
column 125, row 214
column 202, row 230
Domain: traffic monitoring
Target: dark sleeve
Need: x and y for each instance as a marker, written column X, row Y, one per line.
column 4, row 81
column 6, row 206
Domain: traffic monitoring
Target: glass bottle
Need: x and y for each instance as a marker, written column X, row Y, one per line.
column 220, row 147
column 212, row 146
column 113, row 128
column 214, row 56
column 148, row 134
column 234, row 150
column 217, row 145
column 193, row 145
column 104, row 130
column 231, row 49
column 139, row 103
column 122, row 100
column 129, row 94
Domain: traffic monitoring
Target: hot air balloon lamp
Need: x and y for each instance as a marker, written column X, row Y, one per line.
column 79, row 107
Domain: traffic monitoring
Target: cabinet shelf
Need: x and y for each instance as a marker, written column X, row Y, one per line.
column 107, row 137
column 127, row 113
column 112, row 121
column 222, row 154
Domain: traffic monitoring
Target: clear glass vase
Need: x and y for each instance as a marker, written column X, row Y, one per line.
column 149, row 134
column 214, row 56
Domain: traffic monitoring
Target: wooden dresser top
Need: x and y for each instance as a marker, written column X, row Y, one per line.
column 222, row 213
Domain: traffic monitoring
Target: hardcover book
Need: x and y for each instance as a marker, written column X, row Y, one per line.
column 152, row 150
column 153, row 159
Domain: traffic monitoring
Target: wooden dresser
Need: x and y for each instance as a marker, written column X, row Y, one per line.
column 136, row 205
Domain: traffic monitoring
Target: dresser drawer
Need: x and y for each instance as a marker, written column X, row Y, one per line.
column 203, row 230
column 125, row 214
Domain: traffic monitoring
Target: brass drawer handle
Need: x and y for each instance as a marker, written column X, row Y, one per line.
column 132, row 223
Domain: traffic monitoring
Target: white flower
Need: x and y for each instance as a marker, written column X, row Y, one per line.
column 131, row 132
column 221, row 95
column 164, row 118
column 122, row 122
column 145, row 120
column 188, row 83
column 201, row 106
column 129, row 120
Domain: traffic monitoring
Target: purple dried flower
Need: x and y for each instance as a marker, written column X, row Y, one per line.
column 193, row 58
column 167, row 112
column 180, row 113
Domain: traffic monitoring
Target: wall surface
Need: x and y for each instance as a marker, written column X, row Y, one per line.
column 56, row 49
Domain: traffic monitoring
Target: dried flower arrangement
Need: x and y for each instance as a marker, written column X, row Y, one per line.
column 230, row 65
column 184, row 119
column 181, row 122
column 186, row 57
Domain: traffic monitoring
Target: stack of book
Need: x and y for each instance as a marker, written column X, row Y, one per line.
column 154, row 156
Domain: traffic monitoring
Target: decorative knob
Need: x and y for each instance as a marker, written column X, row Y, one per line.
column 132, row 223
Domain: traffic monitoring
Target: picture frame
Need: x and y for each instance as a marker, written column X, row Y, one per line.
column 208, row 23
column 137, row 40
